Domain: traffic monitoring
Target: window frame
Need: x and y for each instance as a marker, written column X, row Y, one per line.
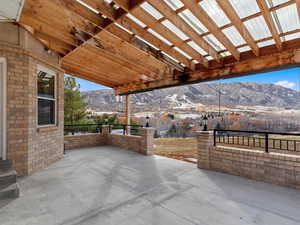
column 54, row 99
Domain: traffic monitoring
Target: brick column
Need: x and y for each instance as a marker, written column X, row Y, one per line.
column 147, row 137
column 205, row 141
column 105, row 133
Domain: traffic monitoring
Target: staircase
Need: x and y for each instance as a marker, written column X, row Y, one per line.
column 8, row 180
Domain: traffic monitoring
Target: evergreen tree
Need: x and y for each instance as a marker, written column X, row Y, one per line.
column 75, row 106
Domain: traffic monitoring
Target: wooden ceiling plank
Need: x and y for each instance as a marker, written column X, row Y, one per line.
column 89, row 77
column 201, row 14
column 112, row 78
column 125, row 50
column 52, row 40
column 125, row 63
column 235, row 19
column 270, row 22
column 48, row 30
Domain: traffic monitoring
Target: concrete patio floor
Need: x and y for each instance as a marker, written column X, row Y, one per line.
column 107, row 186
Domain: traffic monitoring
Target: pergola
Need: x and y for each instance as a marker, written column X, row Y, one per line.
column 140, row 45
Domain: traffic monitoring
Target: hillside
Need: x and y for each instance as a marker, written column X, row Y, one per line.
column 233, row 94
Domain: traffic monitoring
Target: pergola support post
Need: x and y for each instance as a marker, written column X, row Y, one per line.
column 127, row 112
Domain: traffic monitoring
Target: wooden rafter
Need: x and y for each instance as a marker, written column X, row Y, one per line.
column 298, row 7
column 270, row 22
column 105, row 39
column 184, row 27
column 201, row 14
column 108, row 25
column 104, row 8
column 234, row 17
column 155, row 25
column 141, row 32
column 282, row 5
column 100, row 43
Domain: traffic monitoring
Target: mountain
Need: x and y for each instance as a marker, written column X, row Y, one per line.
column 232, row 94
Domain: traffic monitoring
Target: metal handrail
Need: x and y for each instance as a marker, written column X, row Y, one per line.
column 269, row 143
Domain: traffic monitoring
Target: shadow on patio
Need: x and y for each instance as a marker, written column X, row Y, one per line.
column 107, row 185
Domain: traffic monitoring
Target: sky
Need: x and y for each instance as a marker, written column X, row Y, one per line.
column 286, row 78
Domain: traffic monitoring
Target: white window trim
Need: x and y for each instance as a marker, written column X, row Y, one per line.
column 4, row 115
column 51, row 72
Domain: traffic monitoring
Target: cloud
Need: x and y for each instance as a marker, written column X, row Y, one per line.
column 285, row 83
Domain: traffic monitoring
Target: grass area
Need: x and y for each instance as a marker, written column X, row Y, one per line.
column 175, row 144
column 176, row 148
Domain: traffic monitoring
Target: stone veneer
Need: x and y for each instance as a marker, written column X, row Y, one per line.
column 29, row 147
column 141, row 144
column 276, row 168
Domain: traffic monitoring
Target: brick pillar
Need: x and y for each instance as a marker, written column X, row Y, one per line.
column 105, row 133
column 147, row 137
column 205, row 141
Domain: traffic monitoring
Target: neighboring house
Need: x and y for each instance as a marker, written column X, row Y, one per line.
column 31, row 101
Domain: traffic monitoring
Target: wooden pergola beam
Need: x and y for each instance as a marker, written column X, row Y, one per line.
column 269, row 60
column 203, row 17
column 270, row 22
column 184, row 27
column 235, row 19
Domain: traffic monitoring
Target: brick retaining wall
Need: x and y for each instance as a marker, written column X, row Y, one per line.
column 276, row 168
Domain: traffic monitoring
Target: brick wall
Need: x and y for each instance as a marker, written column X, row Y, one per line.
column 276, row 168
column 141, row 144
column 17, row 106
column 131, row 143
column 29, row 147
column 82, row 141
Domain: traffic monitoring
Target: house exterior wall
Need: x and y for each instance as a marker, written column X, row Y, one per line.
column 276, row 168
column 31, row 148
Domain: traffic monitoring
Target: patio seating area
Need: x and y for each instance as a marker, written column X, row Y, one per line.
column 108, row 185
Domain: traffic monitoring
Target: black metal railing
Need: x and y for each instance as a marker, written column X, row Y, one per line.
column 74, row 129
column 123, row 128
column 258, row 139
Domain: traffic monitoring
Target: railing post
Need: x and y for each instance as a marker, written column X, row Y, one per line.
column 267, row 142
column 215, row 137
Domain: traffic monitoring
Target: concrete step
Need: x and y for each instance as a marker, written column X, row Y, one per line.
column 11, row 191
column 7, row 178
column 6, row 164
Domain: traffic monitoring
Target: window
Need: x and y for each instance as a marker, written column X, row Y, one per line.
column 46, row 82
